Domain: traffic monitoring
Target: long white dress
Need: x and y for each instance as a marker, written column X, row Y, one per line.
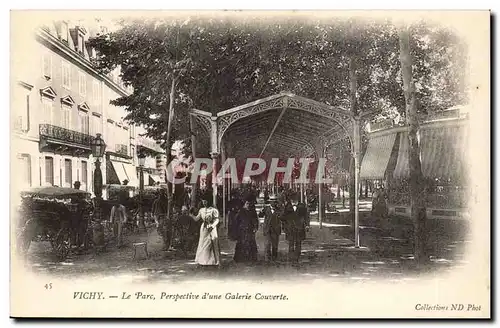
column 208, row 252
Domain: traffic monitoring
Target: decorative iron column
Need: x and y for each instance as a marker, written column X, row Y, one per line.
column 214, row 179
column 214, row 145
column 224, row 189
column 301, row 192
column 321, row 154
column 194, row 185
column 98, row 179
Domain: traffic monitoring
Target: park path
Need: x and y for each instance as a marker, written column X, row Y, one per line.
column 326, row 254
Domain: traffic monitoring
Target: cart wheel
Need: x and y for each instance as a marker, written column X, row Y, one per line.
column 24, row 237
column 23, row 242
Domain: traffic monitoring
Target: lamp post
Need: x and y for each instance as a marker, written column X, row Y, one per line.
column 142, row 160
column 98, row 147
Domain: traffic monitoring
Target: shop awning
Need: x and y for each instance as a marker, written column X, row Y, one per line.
column 441, row 152
column 377, row 156
column 154, row 178
column 146, row 179
column 120, row 171
column 402, row 171
column 131, row 174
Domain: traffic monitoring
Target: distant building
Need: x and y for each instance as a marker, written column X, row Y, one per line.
column 59, row 103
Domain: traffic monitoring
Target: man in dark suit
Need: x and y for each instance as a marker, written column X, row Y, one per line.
column 271, row 230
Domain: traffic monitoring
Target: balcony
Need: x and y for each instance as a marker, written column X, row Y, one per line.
column 149, row 144
column 54, row 137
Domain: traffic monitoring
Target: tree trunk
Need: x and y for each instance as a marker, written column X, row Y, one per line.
column 351, row 189
column 417, row 200
column 167, row 238
column 194, row 186
column 354, row 110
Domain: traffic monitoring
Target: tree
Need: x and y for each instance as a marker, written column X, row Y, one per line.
column 143, row 50
column 217, row 63
column 418, row 213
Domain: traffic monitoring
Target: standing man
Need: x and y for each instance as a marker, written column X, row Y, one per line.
column 271, row 230
column 118, row 219
column 300, row 225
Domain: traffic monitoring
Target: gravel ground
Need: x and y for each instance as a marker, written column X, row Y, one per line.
column 327, row 253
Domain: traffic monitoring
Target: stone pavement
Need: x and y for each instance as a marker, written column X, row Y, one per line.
column 326, row 254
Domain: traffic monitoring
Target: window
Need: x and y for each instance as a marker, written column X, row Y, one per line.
column 82, row 84
column 84, row 122
column 80, row 43
column 25, row 167
column 111, row 134
column 22, row 109
column 49, row 170
column 66, row 116
column 68, row 171
column 47, row 65
column 66, row 75
column 96, row 124
column 47, row 115
column 64, row 32
column 96, row 93
column 84, row 175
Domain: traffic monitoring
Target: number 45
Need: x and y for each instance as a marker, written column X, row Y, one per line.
column 48, row 286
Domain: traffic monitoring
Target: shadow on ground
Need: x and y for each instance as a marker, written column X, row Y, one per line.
column 327, row 253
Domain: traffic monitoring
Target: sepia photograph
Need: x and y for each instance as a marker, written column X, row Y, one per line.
column 250, row 164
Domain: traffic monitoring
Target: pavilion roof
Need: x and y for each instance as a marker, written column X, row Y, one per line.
column 283, row 125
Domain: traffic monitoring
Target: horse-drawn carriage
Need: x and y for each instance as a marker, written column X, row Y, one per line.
column 58, row 215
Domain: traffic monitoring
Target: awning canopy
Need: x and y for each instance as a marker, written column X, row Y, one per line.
column 442, row 150
column 155, row 178
column 147, row 180
column 120, row 171
column 377, row 156
column 131, row 172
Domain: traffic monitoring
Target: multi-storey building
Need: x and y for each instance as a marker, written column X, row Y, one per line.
column 59, row 103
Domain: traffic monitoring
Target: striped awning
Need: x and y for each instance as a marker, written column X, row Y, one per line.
column 155, row 178
column 442, row 152
column 120, row 171
column 377, row 156
column 131, row 171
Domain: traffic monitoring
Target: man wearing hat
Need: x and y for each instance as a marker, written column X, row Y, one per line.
column 271, row 229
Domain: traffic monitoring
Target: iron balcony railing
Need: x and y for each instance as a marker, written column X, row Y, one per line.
column 65, row 135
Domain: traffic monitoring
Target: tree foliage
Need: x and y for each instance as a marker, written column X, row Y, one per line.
column 226, row 62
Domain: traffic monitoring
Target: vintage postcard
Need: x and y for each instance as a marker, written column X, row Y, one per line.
column 250, row 164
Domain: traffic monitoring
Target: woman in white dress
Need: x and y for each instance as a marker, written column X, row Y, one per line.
column 208, row 252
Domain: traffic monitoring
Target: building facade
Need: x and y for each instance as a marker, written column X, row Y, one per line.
column 59, row 103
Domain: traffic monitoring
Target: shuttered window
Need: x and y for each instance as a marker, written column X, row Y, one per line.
column 49, row 170
column 25, row 169
column 84, row 181
column 68, row 171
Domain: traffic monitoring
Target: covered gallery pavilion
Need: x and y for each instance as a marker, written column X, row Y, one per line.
column 280, row 126
column 444, row 144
